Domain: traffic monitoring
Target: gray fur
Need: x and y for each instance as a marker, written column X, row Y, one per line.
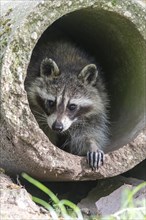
column 73, row 78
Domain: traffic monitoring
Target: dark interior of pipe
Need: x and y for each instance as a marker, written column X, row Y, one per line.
column 120, row 49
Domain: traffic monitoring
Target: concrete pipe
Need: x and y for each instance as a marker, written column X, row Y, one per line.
column 114, row 32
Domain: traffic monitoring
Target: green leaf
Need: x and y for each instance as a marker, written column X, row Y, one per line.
column 41, row 187
column 47, row 206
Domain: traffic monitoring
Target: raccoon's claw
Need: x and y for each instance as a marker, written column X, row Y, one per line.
column 95, row 159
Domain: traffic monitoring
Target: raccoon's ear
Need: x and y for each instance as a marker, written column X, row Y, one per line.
column 88, row 74
column 49, row 68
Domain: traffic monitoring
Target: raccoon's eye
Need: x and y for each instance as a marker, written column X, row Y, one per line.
column 50, row 103
column 72, row 107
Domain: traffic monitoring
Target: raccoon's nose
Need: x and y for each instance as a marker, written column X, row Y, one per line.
column 57, row 126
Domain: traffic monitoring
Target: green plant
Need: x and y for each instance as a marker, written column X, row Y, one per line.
column 130, row 210
column 59, row 208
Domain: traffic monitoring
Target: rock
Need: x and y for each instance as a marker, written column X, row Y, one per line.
column 105, row 198
column 112, row 203
column 16, row 203
column 24, row 146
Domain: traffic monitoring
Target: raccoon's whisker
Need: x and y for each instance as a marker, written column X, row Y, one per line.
column 46, row 127
column 66, row 132
column 39, row 114
column 42, row 122
column 65, row 143
column 41, row 119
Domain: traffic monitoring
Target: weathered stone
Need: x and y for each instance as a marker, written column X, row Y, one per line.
column 24, row 147
column 16, row 202
column 106, row 197
column 112, row 203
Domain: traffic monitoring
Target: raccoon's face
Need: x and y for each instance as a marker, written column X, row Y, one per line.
column 65, row 100
column 62, row 110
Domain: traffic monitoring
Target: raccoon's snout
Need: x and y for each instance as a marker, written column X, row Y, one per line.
column 57, row 126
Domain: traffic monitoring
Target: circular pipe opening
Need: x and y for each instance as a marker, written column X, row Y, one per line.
column 120, row 50
column 25, row 147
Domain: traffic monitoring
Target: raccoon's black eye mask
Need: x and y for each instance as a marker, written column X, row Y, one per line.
column 50, row 103
column 72, row 107
column 48, row 106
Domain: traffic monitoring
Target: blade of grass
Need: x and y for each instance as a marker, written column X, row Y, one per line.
column 72, row 206
column 47, row 191
column 47, row 206
column 132, row 193
column 41, row 187
column 128, row 210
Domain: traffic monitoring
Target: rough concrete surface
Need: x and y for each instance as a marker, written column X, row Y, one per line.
column 24, row 147
column 16, row 202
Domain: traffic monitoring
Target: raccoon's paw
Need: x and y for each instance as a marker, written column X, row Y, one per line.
column 95, row 159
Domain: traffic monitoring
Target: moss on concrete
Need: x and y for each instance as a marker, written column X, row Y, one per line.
column 25, row 146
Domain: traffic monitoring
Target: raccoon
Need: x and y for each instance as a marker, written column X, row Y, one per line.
column 66, row 92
